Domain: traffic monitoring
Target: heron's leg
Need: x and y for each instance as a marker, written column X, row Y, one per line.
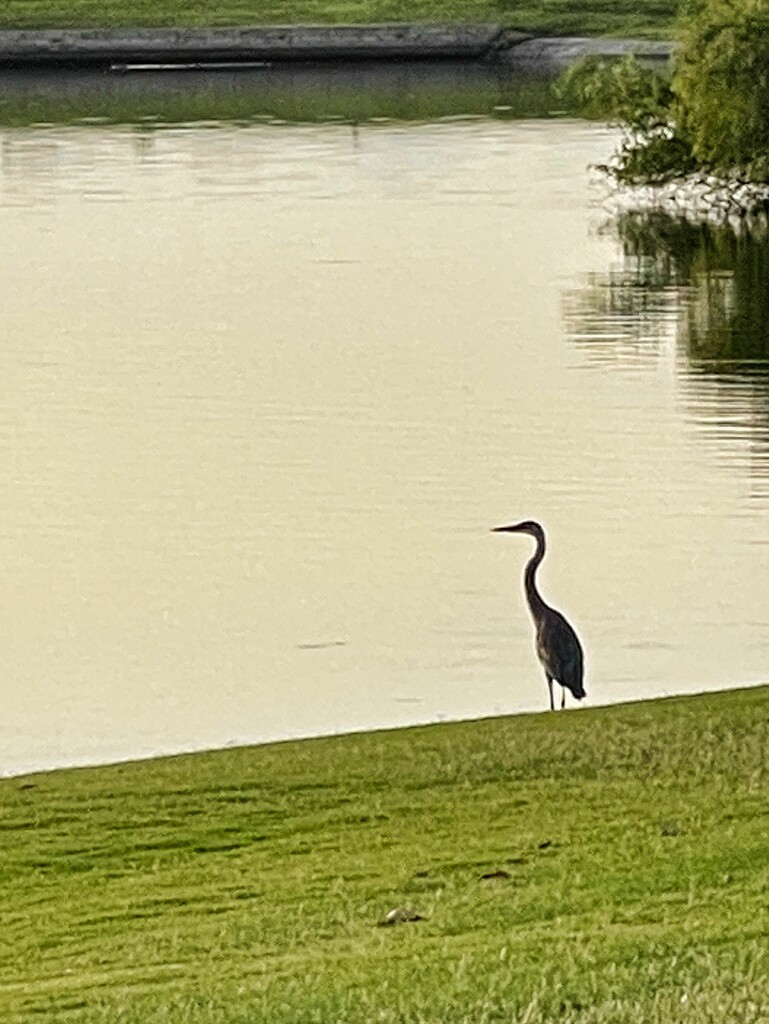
column 563, row 697
column 550, row 688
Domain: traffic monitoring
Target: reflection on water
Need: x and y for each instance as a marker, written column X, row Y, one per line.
column 704, row 289
column 396, row 90
column 265, row 390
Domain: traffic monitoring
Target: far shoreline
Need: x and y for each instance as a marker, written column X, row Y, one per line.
column 119, row 49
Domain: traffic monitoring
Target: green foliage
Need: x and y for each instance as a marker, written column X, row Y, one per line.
column 722, row 83
column 640, row 99
column 712, row 118
column 623, row 90
column 652, row 157
column 625, row 851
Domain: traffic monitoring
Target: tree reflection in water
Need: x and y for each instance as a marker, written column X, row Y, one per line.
column 698, row 295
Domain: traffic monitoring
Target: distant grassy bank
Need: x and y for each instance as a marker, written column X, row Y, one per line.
column 652, row 19
column 606, row 865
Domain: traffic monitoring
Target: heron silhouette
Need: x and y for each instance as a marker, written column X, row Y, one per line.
column 558, row 647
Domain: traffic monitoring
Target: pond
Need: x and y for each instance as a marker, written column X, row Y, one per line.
column 266, row 387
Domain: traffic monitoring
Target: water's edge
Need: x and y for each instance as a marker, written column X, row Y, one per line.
column 385, row 731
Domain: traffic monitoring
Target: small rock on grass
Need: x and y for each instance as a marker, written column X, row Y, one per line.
column 399, row 915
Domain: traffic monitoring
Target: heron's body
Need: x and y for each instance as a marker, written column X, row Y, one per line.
column 558, row 646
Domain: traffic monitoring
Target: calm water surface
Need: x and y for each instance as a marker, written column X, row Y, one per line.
column 265, row 390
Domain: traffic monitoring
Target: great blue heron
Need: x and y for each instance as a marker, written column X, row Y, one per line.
column 558, row 647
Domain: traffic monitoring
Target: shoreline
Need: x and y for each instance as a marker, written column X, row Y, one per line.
column 382, row 732
column 20, row 48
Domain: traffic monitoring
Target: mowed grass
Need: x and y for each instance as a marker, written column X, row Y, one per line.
column 626, row 851
column 647, row 18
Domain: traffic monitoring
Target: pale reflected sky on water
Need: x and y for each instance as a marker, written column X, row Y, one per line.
column 265, row 390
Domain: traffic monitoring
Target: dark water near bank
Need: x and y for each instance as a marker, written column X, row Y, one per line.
column 407, row 91
column 266, row 387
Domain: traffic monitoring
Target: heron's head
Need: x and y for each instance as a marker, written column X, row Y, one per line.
column 527, row 526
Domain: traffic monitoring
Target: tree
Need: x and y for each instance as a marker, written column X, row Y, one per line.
column 709, row 118
column 720, row 82
column 643, row 102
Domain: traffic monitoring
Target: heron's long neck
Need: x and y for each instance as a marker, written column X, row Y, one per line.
column 536, row 604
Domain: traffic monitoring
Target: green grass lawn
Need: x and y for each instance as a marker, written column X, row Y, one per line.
column 647, row 18
column 627, row 850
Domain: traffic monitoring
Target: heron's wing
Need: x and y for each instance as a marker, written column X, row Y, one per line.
column 560, row 651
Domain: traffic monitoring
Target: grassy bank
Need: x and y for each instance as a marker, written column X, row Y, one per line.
column 606, row 865
column 649, row 18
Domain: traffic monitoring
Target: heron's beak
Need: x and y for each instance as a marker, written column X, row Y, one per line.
column 505, row 529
